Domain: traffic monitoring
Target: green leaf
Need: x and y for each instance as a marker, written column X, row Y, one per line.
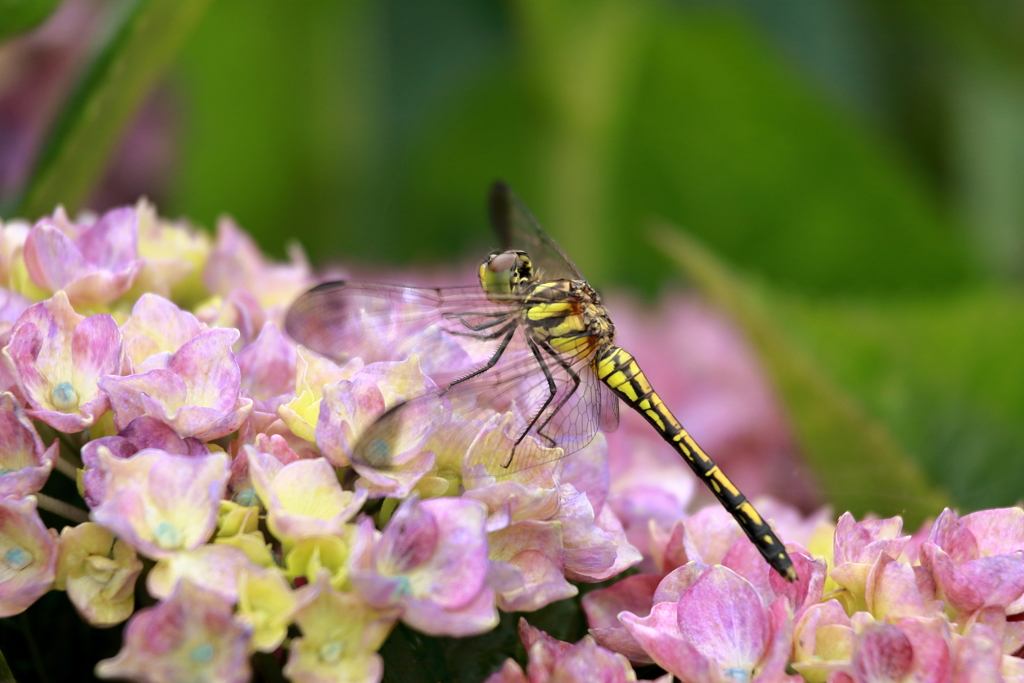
column 857, row 462
column 116, row 84
column 942, row 373
column 21, row 15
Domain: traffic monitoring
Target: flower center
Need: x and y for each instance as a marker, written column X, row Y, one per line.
column 331, row 651
column 64, row 397
column 378, row 453
column 201, row 654
column 17, row 557
column 167, row 536
column 246, row 498
column 737, row 673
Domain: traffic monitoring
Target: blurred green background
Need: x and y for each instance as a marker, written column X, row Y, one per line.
column 858, row 164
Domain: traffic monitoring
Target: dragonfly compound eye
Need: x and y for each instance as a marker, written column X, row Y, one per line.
column 500, row 273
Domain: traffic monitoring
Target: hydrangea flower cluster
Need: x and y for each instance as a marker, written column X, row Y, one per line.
column 217, row 460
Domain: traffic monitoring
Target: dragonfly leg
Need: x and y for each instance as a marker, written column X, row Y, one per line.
column 509, row 331
column 499, row 318
column 565, row 399
column 552, row 388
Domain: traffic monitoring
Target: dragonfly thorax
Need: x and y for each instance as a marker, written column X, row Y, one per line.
column 568, row 316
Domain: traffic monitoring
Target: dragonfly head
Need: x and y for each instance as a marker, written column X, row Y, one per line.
column 504, row 272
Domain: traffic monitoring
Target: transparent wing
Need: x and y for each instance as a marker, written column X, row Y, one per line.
column 456, row 332
column 518, row 229
column 445, row 327
column 537, row 414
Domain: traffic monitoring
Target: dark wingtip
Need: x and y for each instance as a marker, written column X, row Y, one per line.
column 327, row 285
column 498, row 210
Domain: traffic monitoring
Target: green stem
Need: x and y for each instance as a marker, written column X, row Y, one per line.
column 59, row 507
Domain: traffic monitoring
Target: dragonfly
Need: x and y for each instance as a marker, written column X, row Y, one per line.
column 531, row 341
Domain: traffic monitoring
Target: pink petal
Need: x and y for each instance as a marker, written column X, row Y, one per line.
column 954, row 538
column 997, row 532
column 930, row 642
column 207, row 366
column 861, row 542
column 510, row 672
column 157, row 392
column 532, row 552
column 477, row 616
column 678, row 581
column 95, row 350
column 884, row 653
column 587, row 471
column 722, row 616
column 891, row 591
column 51, row 258
column 190, row 636
column 156, row 325
column 458, row 569
column 112, row 241
column 808, row 589
column 267, row 365
column 29, row 557
column 590, row 551
column 634, row 594
column 587, row 661
column 24, row 463
column 659, row 635
column 774, row 662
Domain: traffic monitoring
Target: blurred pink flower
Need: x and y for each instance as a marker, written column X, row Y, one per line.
column 93, row 263
column 28, row 555
column 12, row 305
column 25, row 464
column 195, row 390
column 236, row 263
column 708, row 624
column 191, row 636
column 978, row 560
column 713, row 381
column 431, row 561
column 161, row 503
column 59, row 356
column 173, row 254
column 705, row 536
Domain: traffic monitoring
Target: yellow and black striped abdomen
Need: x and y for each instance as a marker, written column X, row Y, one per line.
column 619, row 370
